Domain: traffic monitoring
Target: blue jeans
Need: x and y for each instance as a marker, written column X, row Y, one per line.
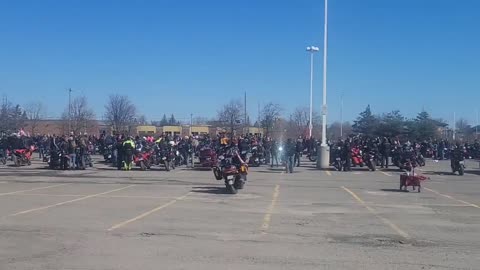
column 289, row 165
column 72, row 161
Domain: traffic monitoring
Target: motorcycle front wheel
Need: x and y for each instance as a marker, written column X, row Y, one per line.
column 167, row 166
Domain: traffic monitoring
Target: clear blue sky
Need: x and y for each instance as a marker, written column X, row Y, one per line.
column 395, row 54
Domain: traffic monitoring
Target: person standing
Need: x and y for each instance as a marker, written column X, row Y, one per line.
column 71, row 151
column 274, row 153
column 128, row 148
column 385, row 149
column 290, row 152
column 298, row 151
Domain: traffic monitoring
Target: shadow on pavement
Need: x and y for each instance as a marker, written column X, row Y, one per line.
column 209, row 190
column 476, row 172
column 394, row 190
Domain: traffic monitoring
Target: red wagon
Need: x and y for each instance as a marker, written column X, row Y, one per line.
column 411, row 180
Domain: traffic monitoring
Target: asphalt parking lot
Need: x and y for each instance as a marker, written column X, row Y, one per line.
column 102, row 218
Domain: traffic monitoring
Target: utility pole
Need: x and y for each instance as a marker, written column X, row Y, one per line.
column 245, row 113
column 191, row 123
column 324, row 153
column 476, row 127
column 69, row 110
column 341, row 115
column 454, row 125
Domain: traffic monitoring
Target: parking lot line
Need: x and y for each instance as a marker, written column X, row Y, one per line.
column 452, row 198
column 387, row 174
column 121, row 224
column 33, row 189
column 375, row 213
column 70, row 201
column 328, row 173
column 268, row 215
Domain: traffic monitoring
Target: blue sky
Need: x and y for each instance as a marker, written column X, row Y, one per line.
column 190, row 56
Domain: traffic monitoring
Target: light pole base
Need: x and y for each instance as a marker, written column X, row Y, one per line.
column 323, row 158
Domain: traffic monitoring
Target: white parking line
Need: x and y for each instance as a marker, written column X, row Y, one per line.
column 70, row 201
column 33, row 189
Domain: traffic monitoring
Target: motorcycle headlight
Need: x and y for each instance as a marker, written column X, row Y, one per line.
column 280, row 148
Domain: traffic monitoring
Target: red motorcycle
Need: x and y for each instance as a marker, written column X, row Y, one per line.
column 208, row 157
column 357, row 159
column 21, row 157
column 234, row 176
column 142, row 159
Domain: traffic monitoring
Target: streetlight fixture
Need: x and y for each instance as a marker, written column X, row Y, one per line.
column 324, row 155
column 311, row 50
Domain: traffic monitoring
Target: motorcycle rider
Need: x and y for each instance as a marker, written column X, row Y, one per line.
column 458, row 154
column 128, row 148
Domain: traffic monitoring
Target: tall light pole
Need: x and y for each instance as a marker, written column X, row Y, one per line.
column 341, row 115
column 324, row 155
column 311, row 50
column 476, row 127
column 454, row 126
column 69, row 110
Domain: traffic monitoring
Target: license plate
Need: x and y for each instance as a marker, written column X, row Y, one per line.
column 230, row 177
column 461, row 162
column 230, row 182
column 164, row 158
column 109, row 156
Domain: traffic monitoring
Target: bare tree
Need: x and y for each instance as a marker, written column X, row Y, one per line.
column 81, row 115
column 299, row 121
column 35, row 112
column 231, row 115
column 120, row 113
column 269, row 115
column 142, row 120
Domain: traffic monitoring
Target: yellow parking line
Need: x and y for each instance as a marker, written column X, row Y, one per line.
column 70, row 201
column 328, row 173
column 121, row 224
column 374, row 212
column 387, row 174
column 452, row 198
column 33, row 189
column 268, row 215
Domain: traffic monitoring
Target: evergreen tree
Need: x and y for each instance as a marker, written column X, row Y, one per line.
column 366, row 123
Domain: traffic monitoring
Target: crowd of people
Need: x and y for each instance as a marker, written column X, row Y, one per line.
column 256, row 150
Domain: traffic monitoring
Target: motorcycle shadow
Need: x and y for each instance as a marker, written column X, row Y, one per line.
column 476, row 172
column 209, row 190
column 394, row 190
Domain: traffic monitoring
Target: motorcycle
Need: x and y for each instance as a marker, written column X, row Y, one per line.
column 108, row 153
column 457, row 163
column 357, row 159
column 58, row 160
column 142, row 160
column 370, row 160
column 257, row 157
column 207, row 157
column 337, row 162
column 167, row 158
column 22, row 157
column 234, row 176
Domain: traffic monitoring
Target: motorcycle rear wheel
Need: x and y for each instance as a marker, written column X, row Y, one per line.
column 142, row 166
column 461, row 170
column 230, row 189
column 16, row 162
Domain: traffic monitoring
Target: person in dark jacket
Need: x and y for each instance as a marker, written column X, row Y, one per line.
column 290, row 150
column 385, row 149
column 298, row 152
column 347, row 156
